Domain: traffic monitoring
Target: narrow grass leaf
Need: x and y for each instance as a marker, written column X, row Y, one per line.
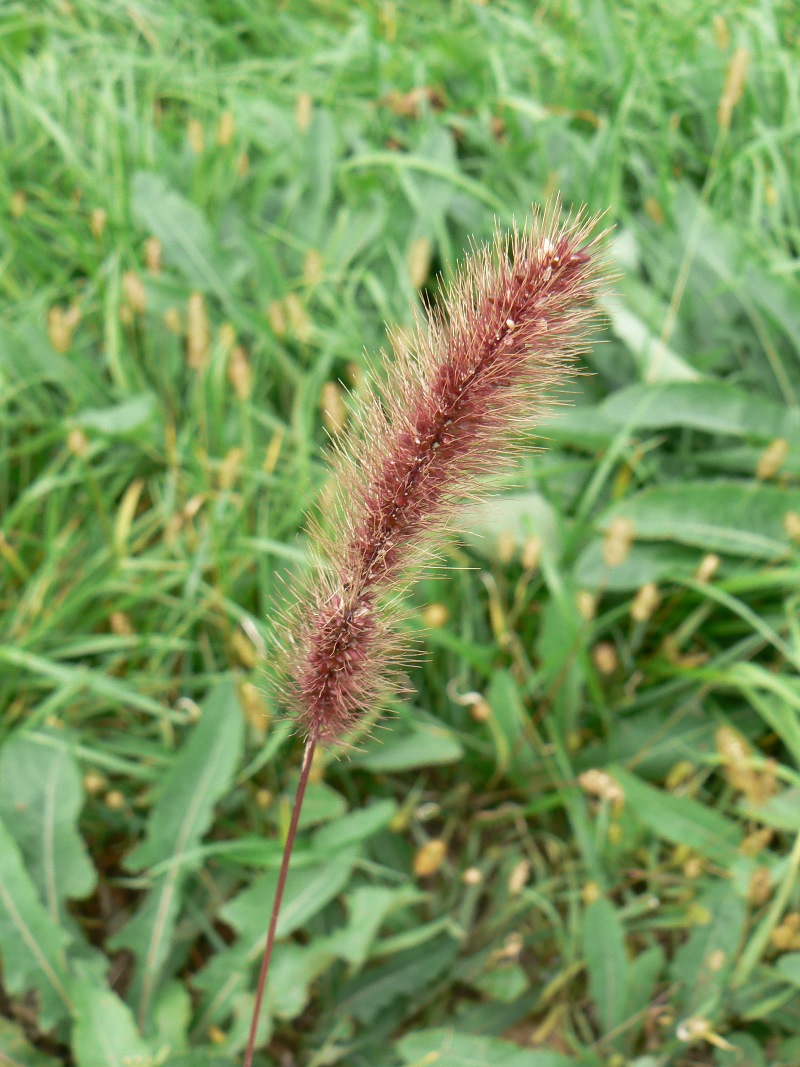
column 202, row 773
column 41, row 796
column 30, row 942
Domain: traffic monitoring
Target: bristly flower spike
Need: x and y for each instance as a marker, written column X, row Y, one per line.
column 447, row 410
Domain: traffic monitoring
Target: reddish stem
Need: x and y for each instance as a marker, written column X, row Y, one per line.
column 305, row 769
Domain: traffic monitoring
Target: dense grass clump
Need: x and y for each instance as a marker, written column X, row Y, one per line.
column 578, row 842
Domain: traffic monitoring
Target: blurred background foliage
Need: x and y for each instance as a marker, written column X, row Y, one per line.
column 578, row 841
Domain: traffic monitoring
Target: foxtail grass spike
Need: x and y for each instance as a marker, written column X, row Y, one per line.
column 445, row 411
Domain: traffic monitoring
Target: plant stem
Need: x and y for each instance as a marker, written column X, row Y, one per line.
column 305, row 769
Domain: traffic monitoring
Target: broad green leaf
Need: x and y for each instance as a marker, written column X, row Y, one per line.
column 509, row 725
column 655, row 361
column 367, row 908
column 712, row 406
column 781, row 812
column 504, row 983
column 448, row 1048
column 31, row 944
column 15, row 1050
column 680, row 819
column 423, row 745
column 518, row 516
column 292, row 971
column 406, row 974
column 646, row 562
column 308, row 890
column 644, row 970
column 606, row 962
column 355, row 827
column 201, row 773
column 183, row 231
column 582, row 426
column 741, row 518
column 105, row 1034
column 744, row 1050
column 322, row 804
column 125, row 418
column 172, row 1015
column 295, row 967
column 788, row 967
column 41, row 796
column 703, row 964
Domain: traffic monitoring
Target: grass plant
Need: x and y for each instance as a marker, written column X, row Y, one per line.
column 577, row 843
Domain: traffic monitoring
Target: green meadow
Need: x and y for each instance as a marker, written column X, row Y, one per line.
column 575, row 839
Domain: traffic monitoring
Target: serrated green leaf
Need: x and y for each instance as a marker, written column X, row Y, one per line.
column 740, row 518
column 105, row 1034
column 448, row 1048
column 41, row 796
column 292, row 971
column 30, row 942
column 606, row 962
column 201, row 774
column 680, row 819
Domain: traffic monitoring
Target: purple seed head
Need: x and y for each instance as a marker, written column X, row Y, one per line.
column 446, row 410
